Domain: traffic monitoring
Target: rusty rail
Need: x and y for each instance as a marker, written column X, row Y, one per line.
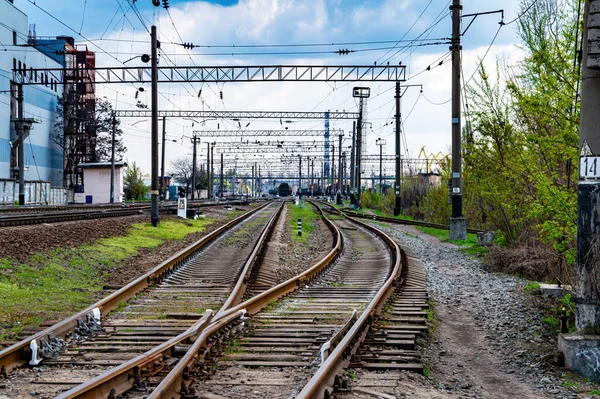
column 20, row 353
column 176, row 380
column 122, row 378
column 240, row 287
column 322, row 382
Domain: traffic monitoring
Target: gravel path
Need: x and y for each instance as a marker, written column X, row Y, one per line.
column 490, row 342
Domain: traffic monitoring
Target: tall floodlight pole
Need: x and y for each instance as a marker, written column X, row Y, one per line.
column 380, row 142
column 458, row 224
column 154, row 218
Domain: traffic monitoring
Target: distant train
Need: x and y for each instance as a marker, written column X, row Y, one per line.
column 284, row 190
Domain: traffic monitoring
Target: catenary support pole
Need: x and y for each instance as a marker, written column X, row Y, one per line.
column 21, row 146
column 588, row 213
column 398, row 182
column 154, row 218
column 458, row 224
column 222, row 177
column 211, row 175
column 162, row 159
column 352, row 157
column 339, row 186
column 112, row 160
column 207, row 168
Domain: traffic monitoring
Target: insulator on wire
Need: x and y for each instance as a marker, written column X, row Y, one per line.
column 221, row 94
column 165, row 4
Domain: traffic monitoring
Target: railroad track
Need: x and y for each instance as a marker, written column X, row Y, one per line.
column 293, row 325
column 66, row 214
column 402, row 221
column 165, row 303
column 322, row 314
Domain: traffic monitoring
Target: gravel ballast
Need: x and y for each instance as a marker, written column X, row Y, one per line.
column 490, row 341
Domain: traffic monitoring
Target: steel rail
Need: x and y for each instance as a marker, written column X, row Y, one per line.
column 20, row 352
column 323, row 380
column 173, row 383
column 404, row 221
column 119, row 378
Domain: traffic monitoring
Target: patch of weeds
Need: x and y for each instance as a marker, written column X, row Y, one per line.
column 270, row 306
column 351, row 374
column 426, row 371
column 594, row 392
column 444, row 235
column 533, row 287
column 338, row 285
column 569, row 383
column 432, row 314
column 308, row 216
column 553, row 322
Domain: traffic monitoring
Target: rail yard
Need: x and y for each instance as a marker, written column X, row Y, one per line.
column 292, row 199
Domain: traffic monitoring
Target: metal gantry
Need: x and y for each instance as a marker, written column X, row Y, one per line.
column 260, row 133
column 283, row 115
column 224, row 74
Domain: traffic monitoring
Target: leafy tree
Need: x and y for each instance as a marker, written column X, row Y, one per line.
column 181, row 171
column 520, row 160
column 101, row 144
column 134, row 181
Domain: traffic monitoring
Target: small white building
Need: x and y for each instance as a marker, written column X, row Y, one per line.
column 96, row 183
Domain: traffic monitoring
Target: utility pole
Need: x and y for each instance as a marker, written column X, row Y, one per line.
column 21, row 147
column 312, row 177
column 162, row 159
column 299, row 174
column 380, row 142
column 352, row 157
column 458, row 224
column 340, row 164
column 222, row 177
column 398, row 183
column 332, row 190
column 358, row 150
column 211, row 174
column 344, row 190
column 588, row 213
column 112, row 160
column 252, row 185
column 154, row 218
column 207, row 168
column 194, row 153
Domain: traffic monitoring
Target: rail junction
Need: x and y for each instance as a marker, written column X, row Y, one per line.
column 201, row 324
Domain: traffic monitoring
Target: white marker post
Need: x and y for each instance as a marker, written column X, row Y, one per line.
column 182, row 208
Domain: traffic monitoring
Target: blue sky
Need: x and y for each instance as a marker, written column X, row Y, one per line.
column 255, row 22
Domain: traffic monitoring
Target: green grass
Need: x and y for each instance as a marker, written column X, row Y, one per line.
column 569, row 383
column 426, row 371
column 64, row 280
column 379, row 212
column 469, row 246
column 532, row 287
column 308, row 216
column 594, row 392
column 553, row 322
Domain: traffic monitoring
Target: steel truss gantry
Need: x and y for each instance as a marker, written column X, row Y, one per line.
column 263, row 133
column 283, row 115
column 224, row 74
